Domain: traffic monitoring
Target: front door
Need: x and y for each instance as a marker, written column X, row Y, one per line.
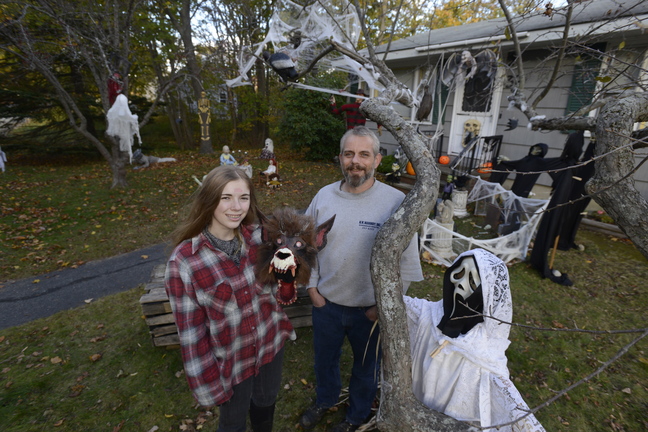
column 476, row 110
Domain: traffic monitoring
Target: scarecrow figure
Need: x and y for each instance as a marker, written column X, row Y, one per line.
column 458, row 354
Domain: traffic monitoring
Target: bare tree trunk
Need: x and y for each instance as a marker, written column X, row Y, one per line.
column 184, row 28
column 261, row 111
column 399, row 408
column 118, row 163
column 180, row 127
column 613, row 184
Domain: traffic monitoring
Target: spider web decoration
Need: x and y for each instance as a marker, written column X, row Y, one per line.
column 303, row 32
column 514, row 245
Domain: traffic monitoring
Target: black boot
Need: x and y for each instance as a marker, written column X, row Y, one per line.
column 261, row 418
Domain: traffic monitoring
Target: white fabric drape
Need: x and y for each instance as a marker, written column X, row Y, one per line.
column 468, row 378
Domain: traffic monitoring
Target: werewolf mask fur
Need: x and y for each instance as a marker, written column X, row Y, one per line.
column 289, row 250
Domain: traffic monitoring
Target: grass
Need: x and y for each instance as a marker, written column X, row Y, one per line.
column 94, row 367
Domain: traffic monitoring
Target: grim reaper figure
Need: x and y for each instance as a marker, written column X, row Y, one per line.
column 458, row 355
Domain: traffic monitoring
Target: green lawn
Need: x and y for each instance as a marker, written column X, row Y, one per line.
column 94, row 368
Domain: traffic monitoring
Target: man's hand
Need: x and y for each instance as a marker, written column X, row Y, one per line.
column 332, row 99
column 372, row 313
column 316, row 297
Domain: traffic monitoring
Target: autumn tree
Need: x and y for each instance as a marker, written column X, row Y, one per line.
column 75, row 47
column 234, row 25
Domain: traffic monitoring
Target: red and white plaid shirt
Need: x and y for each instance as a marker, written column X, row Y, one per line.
column 229, row 325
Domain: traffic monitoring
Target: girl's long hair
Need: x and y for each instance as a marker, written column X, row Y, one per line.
column 205, row 200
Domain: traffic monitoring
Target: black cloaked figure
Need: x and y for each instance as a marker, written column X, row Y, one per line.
column 574, row 212
column 463, row 300
column 550, row 224
column 534, row 162
column 282, row 64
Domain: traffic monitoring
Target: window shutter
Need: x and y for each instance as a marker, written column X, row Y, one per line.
column 440, row 99
column 583, row 85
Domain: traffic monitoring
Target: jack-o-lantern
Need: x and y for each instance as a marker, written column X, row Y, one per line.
column 444, row 160
column 485, row 168
column 410, row 169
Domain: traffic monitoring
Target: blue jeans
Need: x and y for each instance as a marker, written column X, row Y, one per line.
column 260, row 391
column 331, row 323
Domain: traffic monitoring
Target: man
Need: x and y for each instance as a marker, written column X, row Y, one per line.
column 341, row 289
column 353, row 115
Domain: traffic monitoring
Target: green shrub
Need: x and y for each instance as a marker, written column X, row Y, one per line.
column 308, row 124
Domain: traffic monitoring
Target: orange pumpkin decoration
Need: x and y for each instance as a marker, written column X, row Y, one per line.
column 444, row 160
column 485, row 168
column 410, row 169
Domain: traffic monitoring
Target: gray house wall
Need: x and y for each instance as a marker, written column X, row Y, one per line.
column 405, row 61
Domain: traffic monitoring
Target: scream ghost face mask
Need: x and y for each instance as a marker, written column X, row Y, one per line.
column 462, row 297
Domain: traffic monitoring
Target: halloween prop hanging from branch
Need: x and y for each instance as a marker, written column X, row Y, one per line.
column 301, row 38
column 122, row 124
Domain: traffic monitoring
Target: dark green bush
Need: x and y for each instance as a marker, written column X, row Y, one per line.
column 308, row 124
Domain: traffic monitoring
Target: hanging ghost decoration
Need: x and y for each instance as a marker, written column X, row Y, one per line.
column 122, row 124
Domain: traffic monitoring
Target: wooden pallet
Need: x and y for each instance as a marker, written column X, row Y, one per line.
column 159, row 317
column 157, row 311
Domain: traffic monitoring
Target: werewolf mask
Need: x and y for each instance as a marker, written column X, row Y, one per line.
column 289, row 250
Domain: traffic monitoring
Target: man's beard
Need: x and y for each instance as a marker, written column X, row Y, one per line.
column 356, row 181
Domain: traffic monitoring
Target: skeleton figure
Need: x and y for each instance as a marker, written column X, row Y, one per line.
column 458, row 358
column 472, row 127
column 144, row 161
column 289, row 250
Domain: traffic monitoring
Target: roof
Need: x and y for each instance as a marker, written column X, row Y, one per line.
column 586, row 12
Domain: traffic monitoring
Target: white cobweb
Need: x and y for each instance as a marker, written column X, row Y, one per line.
column 304, row 32
column 442, row 245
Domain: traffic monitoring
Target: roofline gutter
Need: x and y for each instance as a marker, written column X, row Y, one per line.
column 468, row 42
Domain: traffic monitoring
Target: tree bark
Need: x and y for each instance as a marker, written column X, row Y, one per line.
column 613, row 185
column 118, row 163
column 399, row 408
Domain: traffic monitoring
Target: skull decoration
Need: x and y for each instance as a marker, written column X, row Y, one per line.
column 462, row 297
column 472, row 128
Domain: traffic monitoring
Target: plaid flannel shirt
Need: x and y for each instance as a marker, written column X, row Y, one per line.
column 229, row 325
